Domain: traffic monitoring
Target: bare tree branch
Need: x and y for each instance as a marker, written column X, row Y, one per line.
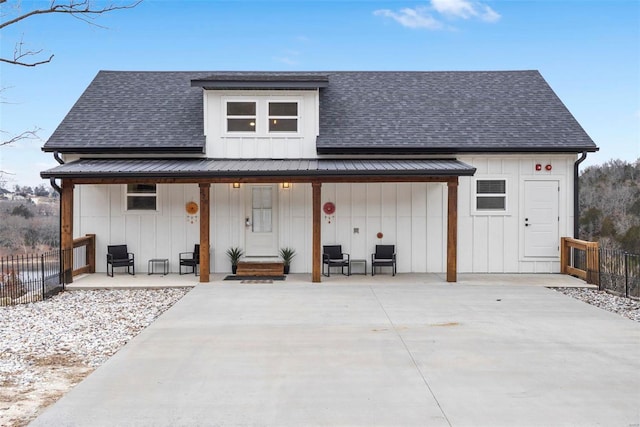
column 73, row 8
column 82, row 10
column 28, row 134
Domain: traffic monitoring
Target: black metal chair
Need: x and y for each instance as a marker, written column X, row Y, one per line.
column 333, row 256
column 119, row 256
column 385, row 256
column 190, row 259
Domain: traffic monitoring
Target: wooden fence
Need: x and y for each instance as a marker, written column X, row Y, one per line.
column 580, row 258
column 84, row 255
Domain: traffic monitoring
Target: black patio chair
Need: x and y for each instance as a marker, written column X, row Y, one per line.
column 385, row 256
column 333, row 256
column 119, row 256
column 190, row 259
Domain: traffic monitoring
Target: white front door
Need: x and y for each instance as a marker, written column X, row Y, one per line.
column 261, row 231
column 541, row 220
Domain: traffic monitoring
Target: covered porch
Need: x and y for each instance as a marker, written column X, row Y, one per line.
column 312, row 172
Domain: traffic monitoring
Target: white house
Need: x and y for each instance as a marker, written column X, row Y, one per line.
column 461, row 171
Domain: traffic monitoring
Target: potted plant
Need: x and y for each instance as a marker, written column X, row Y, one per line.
column 234, row 254
column 287, row 255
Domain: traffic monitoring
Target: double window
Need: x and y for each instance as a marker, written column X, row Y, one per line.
column 490, row 196
column 141, row 197
column 262, row 117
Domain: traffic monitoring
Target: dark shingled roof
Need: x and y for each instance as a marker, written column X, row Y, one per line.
column 134, row 112
column 360, row 112
column 242, row 168
column 414, row 112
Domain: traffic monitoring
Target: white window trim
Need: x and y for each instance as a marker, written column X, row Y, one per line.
column 297, row 117
column 226, row 116
column 125, row 195
column 474, row 195
column 262, row 115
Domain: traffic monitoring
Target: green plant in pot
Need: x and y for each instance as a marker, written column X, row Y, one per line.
column 234, row 254
column 287, row 254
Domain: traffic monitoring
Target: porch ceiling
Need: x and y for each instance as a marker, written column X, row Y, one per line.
column 248, row 170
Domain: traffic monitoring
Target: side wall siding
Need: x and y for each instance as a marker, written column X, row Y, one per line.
column 495, row 243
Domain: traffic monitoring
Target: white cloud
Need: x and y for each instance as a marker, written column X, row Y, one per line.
column 457, row 8
column 422, row 17
column 489, row 15
column 412, row 18
column 465, row 9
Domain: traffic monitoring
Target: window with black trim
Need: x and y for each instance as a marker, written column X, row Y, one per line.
column 491, row 195
column 142, row 197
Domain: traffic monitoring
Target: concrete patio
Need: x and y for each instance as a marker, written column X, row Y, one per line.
column 143, row 280
column 371, row 351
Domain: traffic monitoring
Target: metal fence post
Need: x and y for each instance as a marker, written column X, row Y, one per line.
column 626, row 274
column 42, row 274
column 600, row 258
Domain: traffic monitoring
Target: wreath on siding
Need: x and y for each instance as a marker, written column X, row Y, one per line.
column 191, row 208
column 329, row 208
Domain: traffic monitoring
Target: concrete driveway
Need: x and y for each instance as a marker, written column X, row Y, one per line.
column 387, row 354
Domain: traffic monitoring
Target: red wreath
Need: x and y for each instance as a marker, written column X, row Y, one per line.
column 329, row 208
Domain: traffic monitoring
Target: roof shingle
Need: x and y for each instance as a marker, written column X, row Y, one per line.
column 360, row 112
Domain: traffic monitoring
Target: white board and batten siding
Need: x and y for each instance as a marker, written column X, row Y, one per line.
column 496, row 243
column 412, row 216
column 261, row 144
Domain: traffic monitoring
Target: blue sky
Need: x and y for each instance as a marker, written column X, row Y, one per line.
column 588, row 51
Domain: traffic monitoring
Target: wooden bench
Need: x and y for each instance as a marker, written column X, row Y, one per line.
column 260, row 268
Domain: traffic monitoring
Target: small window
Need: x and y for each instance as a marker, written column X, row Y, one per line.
column 241, row 116
column 491, row 195
column 283, row 116
column 141, row 197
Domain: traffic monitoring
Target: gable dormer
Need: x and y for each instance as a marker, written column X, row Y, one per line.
column 261, row 115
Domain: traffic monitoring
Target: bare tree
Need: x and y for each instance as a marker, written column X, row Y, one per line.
column 84, row 10
column 12, row 13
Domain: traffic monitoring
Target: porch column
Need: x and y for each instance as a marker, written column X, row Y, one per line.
column 66, row 230
column 452, row 229
column 317, row 224
column 204, row 232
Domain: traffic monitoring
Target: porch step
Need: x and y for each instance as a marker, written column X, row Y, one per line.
column 260, row 268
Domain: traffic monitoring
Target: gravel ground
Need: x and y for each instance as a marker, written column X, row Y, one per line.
column 48, row 347
column 623, row 306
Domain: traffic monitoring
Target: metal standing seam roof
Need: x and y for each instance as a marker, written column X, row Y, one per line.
column 240, row 168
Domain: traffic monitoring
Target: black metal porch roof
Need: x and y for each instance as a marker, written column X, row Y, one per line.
column 199, row 168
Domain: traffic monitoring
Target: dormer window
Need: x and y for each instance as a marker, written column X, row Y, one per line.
column 263, row 116
column 283, row 116
column 241, row 116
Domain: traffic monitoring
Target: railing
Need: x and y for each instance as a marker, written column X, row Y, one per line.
column 34, row 277
column 30, row 277
column 84, row 255
column 580, row 258
column 620, row 273
column 616, row 272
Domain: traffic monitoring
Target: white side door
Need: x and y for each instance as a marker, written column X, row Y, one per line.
column 541, row 220
column 261, row 225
